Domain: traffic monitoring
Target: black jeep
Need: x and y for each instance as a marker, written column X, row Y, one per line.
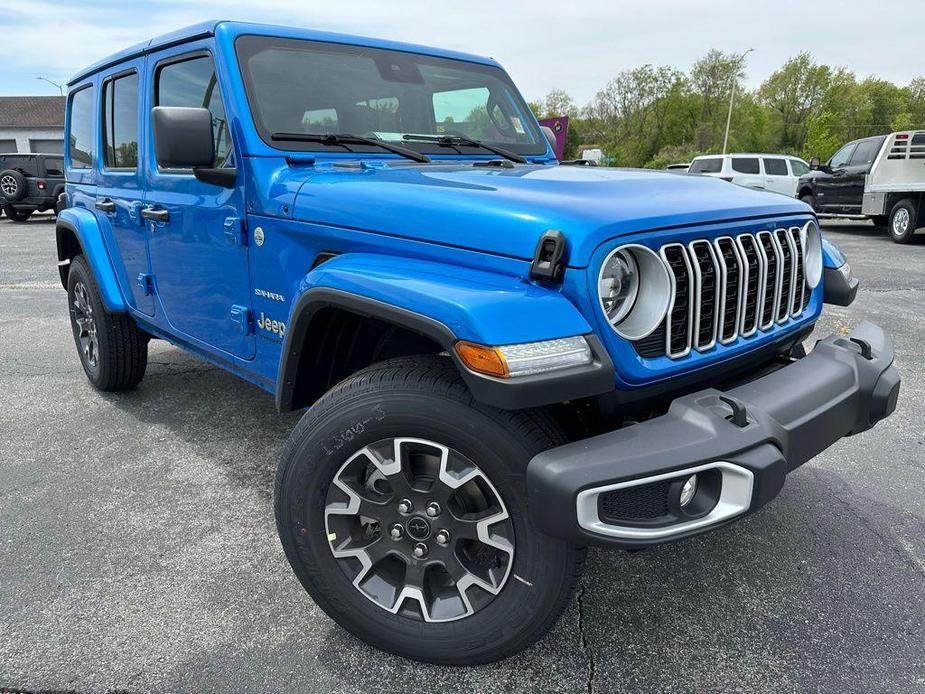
column 30, row 183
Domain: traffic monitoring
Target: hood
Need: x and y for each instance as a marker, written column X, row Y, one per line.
column 504, row 211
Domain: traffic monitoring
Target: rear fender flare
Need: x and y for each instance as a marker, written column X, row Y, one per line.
column 79, row 223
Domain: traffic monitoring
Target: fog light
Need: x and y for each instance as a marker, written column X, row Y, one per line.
column 688, row 490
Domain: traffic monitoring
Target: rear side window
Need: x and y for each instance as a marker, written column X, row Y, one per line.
column 798, row 167
column 192, row 83
column 775, row 167
column 866, row 152
column 712, row 165
column 746, row 165
column 54, row 167
column 120, row 122
column 80, row 137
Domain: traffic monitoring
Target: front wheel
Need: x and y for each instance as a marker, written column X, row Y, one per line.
column 401, row 506
column 903, row 220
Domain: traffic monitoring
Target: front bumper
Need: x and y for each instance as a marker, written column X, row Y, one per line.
column 741, row 442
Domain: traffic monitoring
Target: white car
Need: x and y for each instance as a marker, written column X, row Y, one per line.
column 775, row 172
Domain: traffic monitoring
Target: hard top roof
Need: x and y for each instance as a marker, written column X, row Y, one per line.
column 234, row 29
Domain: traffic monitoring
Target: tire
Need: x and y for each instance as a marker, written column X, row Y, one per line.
column 17, row 214
column 809, row 199
column 903, row 219
column 112, row 349
column 880, row 220
column 13, row 185
column 423, row 398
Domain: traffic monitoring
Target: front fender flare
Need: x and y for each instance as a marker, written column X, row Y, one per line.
column 446, row 304
column 83, row 225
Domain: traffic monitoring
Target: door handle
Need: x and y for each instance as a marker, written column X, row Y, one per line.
column 107, row 206
column 154, row 214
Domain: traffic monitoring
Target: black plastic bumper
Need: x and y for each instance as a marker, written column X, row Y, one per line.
column 843, row 387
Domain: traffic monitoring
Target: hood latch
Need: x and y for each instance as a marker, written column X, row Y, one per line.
column 548, row 265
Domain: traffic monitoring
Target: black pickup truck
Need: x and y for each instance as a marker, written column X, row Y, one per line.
column 837, row 187
column 30, row 183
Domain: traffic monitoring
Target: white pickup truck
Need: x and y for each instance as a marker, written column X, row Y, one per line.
column 879, row 178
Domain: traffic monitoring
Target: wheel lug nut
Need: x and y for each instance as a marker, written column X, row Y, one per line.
column 442, row 537
column 433, row 509
column 420, row 550
column 396, row 533
column 405, row 506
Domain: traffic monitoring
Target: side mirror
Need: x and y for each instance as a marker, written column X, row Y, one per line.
column 550, row 136
column 183, row 139
column 814, row 164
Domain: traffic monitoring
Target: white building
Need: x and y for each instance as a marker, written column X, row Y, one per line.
column 32, row 124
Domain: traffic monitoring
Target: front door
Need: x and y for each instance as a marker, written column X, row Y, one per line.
column 120, row 192
column 830, row 186
column 195, row 229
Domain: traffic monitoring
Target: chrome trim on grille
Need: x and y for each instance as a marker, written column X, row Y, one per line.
column 763, row 297
column 690, row 304
column 698, row 293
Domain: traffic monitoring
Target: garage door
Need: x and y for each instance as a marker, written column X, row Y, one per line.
column 7, row 146
column 47, row 146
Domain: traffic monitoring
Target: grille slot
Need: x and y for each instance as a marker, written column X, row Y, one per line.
column 731, row 287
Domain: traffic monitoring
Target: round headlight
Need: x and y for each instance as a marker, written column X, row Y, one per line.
column 634, row 289
column 811, row 239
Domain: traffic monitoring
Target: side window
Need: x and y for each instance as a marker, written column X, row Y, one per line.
column 798, row 167
column 192, row 83
column 712, row 165
column 54, row 167
column 120, row 123
column 841, row 157
column 746, row 165
column 775, row 167
column 80, row 137
column 866, row 152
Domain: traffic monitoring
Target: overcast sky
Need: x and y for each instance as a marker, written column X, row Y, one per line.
column 576, row 45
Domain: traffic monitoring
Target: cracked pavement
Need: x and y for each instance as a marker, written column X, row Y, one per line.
column 138, row 550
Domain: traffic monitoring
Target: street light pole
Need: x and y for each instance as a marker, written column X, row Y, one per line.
column 732, row 93
column 59, row 86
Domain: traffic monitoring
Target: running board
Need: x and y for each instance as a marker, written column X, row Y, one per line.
column 830, row 215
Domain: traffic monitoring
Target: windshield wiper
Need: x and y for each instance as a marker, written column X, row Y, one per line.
column 346, row 139
column 455, row 140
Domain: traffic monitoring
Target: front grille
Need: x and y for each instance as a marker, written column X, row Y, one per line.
column 638, row 503
column 729, row 288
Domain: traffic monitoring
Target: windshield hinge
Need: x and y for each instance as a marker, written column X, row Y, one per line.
column 548, row 265
column 236, row 230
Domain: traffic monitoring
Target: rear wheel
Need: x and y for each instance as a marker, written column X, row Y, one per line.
column 401, row 506
column 113, row 350
column 17, row 214
column 903, row 220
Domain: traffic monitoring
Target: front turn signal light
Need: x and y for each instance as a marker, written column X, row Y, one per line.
column 482, row 359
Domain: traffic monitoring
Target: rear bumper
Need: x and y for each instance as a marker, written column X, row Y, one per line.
column 843, row 387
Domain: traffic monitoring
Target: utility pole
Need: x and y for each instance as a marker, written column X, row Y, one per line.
column 732, row 93
column 59, row 86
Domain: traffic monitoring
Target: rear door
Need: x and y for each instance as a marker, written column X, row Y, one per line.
column 120, row 191
column 196, row 229
column 777, row 176
column 746, row 171
column 856, row 173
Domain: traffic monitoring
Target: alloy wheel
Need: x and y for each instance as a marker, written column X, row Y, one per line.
column 8, row 186
column 419, row 529
column 85, row 325
column 901, row 221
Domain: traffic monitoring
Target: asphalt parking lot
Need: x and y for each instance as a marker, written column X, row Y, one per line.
column 138, row 551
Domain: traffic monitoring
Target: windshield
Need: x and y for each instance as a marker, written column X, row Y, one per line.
column 310, row 87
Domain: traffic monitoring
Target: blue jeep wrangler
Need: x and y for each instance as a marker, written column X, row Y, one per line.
column 502, row 360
